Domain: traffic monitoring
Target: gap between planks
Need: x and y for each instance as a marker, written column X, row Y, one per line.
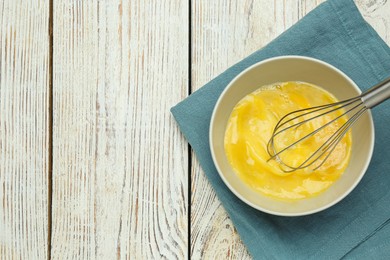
column 50, row 127
column 189, row 146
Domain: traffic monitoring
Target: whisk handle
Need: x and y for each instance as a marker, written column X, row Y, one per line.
column 377, row 94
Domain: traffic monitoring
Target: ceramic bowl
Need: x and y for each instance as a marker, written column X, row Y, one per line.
column 281, row 69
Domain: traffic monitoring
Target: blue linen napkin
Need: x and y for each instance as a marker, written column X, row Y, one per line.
column 356, row 227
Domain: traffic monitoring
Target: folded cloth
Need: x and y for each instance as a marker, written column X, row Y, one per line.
column 334, row 32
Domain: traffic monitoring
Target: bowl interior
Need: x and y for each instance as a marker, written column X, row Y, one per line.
column 291, row 68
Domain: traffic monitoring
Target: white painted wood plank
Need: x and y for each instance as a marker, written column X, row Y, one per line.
column 24, row 129
column 120, row 163
column 224, row 32
column 377, row 14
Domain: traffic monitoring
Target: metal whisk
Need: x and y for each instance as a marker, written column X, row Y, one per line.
column 354, row 108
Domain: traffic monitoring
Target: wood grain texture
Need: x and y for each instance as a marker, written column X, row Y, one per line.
column 224, row 32
column 24, row 129
column 377, row 14
column 120, row 163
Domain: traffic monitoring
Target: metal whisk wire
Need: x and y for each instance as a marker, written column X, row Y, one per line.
column 356, row 105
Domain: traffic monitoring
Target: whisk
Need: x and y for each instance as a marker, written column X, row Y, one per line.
column 353, row 108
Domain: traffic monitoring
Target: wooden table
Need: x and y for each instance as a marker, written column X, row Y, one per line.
column 92, row 164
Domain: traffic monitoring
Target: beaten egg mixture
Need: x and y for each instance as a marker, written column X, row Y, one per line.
column 250, row 127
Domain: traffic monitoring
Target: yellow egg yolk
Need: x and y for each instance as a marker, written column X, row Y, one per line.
column 251, row 125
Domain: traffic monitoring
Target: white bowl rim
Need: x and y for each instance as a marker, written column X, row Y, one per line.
column 277, row 213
